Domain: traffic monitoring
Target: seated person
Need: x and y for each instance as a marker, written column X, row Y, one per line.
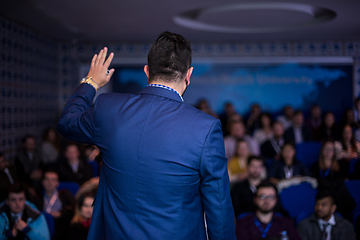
column 347, row 148
column 330, row 178
column 329, row 129
column 315, row 121
column 29, row 163
column 8, row 176
column 74, row 169
column 298, row 132
column 237, row 131
column 237, row 165
column 272, row 147
column 287, row 118
column 265, row 132
column 60, row 204
column 19, row 220
column 325, row 223
column 287, row 167
column 253, row 121
column 79, row 225
column 50, row 146
column 264, row 223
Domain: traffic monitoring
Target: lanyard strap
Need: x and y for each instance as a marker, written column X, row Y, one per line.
column 52, row 201
column 261, row 229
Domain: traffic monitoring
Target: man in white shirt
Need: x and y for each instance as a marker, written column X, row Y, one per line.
column 324, row 224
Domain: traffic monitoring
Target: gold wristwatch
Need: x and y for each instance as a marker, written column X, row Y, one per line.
column 91, row 82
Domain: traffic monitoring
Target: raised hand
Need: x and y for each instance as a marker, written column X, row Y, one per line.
column 99, row 67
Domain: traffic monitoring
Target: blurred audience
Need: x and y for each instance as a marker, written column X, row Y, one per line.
column 347, row 148
column 298, row 132
column 287, row 118
column 253, row 121
column 80, row 223
column 74, row 169
column 264, row 222
column 29, row 164
column 229, row 110
column 287, row 167
column 204, row 106
column 237, row 132
column 349, row 119
column 272, row 147
column 329, row 129
column 50, row 146
column 19, row 219
column 325, row 223
column 8, row 176
column 265, row 131
column 238, row 164
column 315, row 121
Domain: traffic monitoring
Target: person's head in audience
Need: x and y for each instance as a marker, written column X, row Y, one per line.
column 288, row 112
column 72, row 153
column 16, row 198
column 29, row 143
column 237, row 129
column 50, row 135
column 288, row 154
column 255, row 110
column 255, row 167
column 265, row 198
column 325, row 205
column 229, row 109
column 348, row 139
column 315, row 112
column 357, row 104
column 329, row 120
column 265, row 120
column 327, row 159
column 50, row 181
column 242, row 149
column 2, row 162
column 84, row 208
column 349, row 116
column 298, row 119
column 278, row 130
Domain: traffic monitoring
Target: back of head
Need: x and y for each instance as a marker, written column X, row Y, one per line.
column 169, row 58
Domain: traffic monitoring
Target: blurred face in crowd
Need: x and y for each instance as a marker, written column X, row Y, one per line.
column 288, row 154
column 242, row 149
column 347, row 133
column 86, row 209
column 2, row 163
column 29, row 144
column 237, row 130
column 72, row 153
column 265, row 199
column 50, row 182
column 289, row 112
column 298, row 119
column 52, row 135
column 324, row 208
column 349, row 116
column 316, row 112
column 329, row 120
column 229, row 109
column 278, row 130
column 328, row 154
column 265, row 120
column 16, row 202
column 255, row 168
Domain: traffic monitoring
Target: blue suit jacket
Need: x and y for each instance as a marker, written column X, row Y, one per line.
column 163, row 166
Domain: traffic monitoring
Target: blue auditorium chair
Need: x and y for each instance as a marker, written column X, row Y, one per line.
column 50, row 222
column 298, row 199
column 308, row 152
column 73, row 187
column 354, row 188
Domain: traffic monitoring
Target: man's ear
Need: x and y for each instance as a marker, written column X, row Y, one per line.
column 188, row 75
column 146, row 70
column 333, row 208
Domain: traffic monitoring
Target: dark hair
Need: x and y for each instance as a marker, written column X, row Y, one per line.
column 27, row 136
column 169, row 57
column 334, row 162
column 50, row 170
column 267, row 184
column 324, row 194
column 15, row 188
column 297, row 112
column 77, row 218
column 352, row 140
column 253, row 158
column 267, row 115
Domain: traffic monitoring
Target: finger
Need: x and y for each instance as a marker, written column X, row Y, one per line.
column 109, row 60
column 110, row 74
column 98, row 59
column 103, row 56
column 93, row 60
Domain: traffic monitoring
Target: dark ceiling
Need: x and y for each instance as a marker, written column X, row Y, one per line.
column 139, row 21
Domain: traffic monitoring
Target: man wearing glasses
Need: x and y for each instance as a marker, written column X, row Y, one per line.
column 264, row 223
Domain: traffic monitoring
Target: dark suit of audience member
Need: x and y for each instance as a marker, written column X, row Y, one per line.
column 66, row 173
column 298, row 132
column 298, row 169
column 29, row 163
column 272, row 148
column 78, row 231
column 8, row 176
column 314, row 122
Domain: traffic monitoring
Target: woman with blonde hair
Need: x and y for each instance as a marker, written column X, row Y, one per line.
column 238, row 164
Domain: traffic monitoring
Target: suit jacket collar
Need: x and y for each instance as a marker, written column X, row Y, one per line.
column 162, row 92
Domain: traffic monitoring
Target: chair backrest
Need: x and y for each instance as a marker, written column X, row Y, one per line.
column 50, row 222
column 73, row 187
column 352, row 164
column 308, row 152
column 298, row 199
column 354, row 188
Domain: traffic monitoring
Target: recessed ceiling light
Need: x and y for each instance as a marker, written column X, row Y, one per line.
column 190, row 19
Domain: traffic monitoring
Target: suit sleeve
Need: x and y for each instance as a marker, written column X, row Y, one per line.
column 215, row 187
column 77, row 120
column 301, row 229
